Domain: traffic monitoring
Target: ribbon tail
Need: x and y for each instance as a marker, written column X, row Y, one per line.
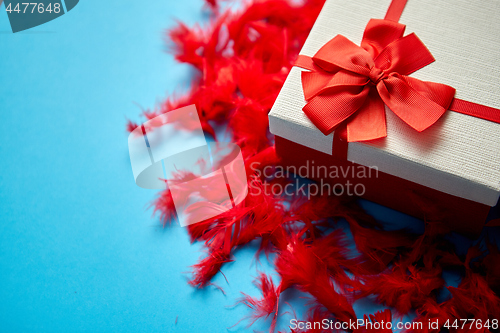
column 369, row 122
column 420, row 104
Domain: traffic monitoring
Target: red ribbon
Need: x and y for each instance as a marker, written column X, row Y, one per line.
column 350, row 84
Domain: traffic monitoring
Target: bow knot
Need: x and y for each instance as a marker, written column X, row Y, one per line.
column 351, row 84
column 376, row 74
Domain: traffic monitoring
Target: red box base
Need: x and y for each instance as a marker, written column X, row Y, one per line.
column 465, row 216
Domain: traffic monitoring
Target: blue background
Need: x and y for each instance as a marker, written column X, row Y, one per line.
column 79, row 247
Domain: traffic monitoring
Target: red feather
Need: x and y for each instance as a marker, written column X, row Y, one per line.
column 241, row 60
column 299, row 266
column 268, row 304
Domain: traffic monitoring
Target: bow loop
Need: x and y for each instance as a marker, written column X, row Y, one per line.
column 351, row 83
column 379, row 34
column 404, row 56
column 339, row 53
column 429, row 100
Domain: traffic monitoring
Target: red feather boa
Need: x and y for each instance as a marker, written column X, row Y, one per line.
column 404, row 272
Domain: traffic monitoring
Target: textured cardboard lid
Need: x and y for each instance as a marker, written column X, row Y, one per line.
column 460, row 154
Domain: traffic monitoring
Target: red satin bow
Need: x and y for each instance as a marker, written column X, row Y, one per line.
column 351, row 83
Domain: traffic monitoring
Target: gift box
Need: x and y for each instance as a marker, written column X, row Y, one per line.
column 409, row 90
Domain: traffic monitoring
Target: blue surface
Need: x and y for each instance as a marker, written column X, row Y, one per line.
column 79, row 249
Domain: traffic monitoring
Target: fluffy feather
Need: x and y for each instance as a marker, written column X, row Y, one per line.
column 241, row 60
